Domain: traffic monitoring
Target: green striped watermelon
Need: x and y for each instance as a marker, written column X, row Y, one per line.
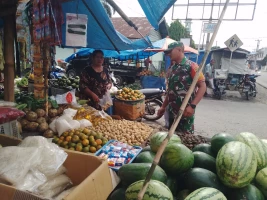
column 236, row 164
column 264, row 141
column 249, row 192
column 118, row 194
column 176, row 159
column 220, row 139
column 205, row 161
column 158, row 138
column 145, row 157
column 172, row 184
column 206, row 193
column 155, row 191
column 257, row 146
column 206, row 148
column 261, row 181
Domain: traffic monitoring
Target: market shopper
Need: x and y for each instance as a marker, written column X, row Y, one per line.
column 179, row 81
column 95, row 80
column 209, row 73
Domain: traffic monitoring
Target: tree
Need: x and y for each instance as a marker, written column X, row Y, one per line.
column 178, row 31
column 109, row 10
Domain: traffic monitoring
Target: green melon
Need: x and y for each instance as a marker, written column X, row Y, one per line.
column 257, row 146
column 206, row 148
column 155, row 191
column 261, row 181
column 145, row 157
column 249, row 192
column 264, row 141
column 236, row 164
column 205, row 161
column 206, row 193
column 176, row 159
column 147, row 148
column 182, row 194
column 172, row 184
column 220, row 139
column 196, row 178
column 133, row 172
column 158, row 138
column 118, row 194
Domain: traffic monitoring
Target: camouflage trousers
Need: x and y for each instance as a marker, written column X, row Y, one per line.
column 186, row 124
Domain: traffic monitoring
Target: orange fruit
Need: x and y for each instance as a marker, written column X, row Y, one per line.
column 79, row 148
column 68, row 138
column 92, row 149
column 98, row 147
column 99, row 141
column 85, row 142
column 62, row 138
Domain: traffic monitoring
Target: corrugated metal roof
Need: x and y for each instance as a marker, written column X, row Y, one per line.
column 142, row 23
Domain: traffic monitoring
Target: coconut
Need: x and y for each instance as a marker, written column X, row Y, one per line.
column 43, row 127
column 24, row 122
column 48, row 133
column 31, row 116
column 40, row 112
column 60, row 110
column 52, row 113
column 32, row 126
column 41, row 120
column 26, row 110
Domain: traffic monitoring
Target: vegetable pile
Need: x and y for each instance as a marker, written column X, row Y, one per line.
column 22, row 82
column 67, row 83
column 129, row 94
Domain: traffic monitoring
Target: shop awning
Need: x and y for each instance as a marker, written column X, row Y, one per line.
column 155, row 10
column 123, row 55
column 162, row 45
column 101, row 33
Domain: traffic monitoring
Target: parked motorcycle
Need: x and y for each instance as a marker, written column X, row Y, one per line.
column 153, row 102
column 57, row 72
column 219, row 88
column 249, row 85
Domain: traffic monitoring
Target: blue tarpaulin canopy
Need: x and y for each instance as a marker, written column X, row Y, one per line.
column 101, row 33
column 155, row 10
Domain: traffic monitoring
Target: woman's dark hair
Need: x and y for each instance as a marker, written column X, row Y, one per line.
column 95, row 52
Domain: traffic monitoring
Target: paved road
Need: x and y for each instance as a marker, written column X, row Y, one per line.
column 262, row 79
column 233, row 114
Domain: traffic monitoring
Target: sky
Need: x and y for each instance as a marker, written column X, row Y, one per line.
column 247, row 31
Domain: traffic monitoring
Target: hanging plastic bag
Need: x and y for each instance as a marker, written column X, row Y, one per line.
column 106, row 101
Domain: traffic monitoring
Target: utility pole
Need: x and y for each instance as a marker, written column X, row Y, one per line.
column 256, row 53
column 211, row 12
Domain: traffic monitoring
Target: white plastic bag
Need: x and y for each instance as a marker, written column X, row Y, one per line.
column 65, row 193
column 16, row 162
column 62, row 126
column 70, row 112
column 106, row 101
column 51, row 156
column 60, row 171
column 54, row 183
column 52, row 125
column 67, row 98
column 74, row 124
column 85, row 123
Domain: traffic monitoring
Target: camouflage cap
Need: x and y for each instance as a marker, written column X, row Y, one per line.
column 173, row 45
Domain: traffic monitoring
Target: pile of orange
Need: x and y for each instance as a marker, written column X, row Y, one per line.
column 129, row 94
column 83, row 140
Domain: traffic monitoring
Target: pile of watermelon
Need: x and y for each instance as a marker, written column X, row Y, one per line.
column 233, row 168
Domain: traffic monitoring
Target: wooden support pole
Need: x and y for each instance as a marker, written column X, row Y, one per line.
column 9, row 70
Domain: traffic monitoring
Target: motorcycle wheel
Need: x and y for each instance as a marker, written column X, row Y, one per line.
column 218, row 95
column 71, row 73
column 119, row 80
column 151, row 109
column 255, row 91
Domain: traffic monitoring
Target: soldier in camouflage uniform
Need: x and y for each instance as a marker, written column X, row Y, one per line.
column 179, row 82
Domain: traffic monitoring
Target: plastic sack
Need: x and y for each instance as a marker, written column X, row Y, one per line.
column 66, row 98
column 106, row 101
column 54, row 191
column 54, row 183
column 64, row 193
column 74, row 124
column 52, row 125
column 70, row 112
column 8, row 114
column 62, row 125
column 85, row 123
column 16, row 162
column 52, row 157
column 7, row 104
column 60, row 171
column 31, row 182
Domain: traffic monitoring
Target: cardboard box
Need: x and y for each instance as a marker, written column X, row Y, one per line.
column 130, row 110
column 92, row 176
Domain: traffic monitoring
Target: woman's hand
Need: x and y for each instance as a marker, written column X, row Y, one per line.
column 95, row 98
column 109, row 86
column 189, row 111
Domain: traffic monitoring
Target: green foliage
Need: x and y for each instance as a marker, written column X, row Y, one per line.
column 178, row 31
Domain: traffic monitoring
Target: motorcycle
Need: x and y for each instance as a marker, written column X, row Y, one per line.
column 57, row 72
column 249, row 85
column 219, row 89
column 153, row 102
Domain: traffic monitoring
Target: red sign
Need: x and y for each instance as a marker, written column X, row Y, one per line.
column 69, row 97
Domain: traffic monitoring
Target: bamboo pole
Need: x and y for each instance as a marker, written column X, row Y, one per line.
column 183, row 106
